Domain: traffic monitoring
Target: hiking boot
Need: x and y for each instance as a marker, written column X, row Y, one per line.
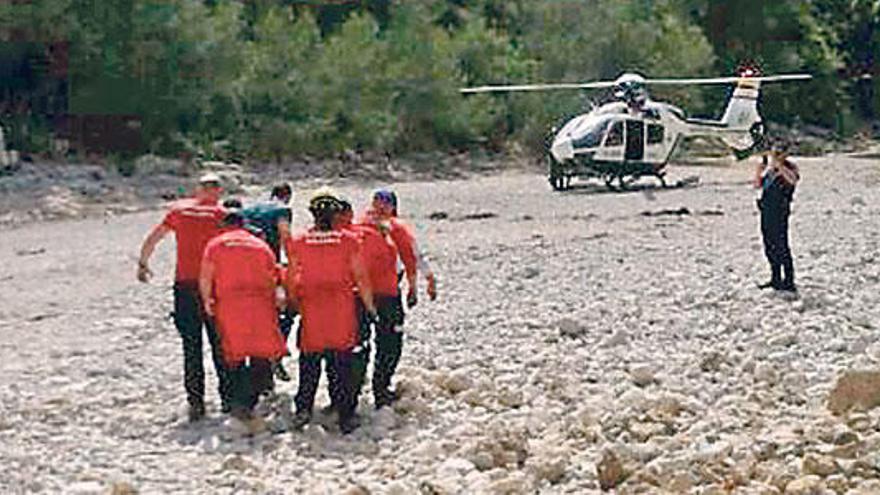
column 349, row 424
column 280, row 372
column 300, row 420
column 773, row 284
column 788, row 287
column 386, row 398
column 196, row 412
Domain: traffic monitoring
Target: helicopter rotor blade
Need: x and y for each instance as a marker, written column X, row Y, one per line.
column 538, row 87
column 728, row 80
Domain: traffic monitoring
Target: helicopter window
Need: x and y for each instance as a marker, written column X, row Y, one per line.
column 655, row 134
column 593, row 137
column 615, row 135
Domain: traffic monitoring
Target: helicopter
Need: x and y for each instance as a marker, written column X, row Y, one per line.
column 634, row 136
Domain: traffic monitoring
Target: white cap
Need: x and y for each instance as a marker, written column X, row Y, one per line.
column 210, row 178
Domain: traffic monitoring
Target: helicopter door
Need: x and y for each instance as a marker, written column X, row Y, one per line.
column 655, row 149
column 612, row 147
column 635, row 140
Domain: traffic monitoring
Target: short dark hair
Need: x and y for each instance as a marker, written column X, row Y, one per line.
column 781, row 144
column 232, row 203
column 281, row 190
column 233, row 218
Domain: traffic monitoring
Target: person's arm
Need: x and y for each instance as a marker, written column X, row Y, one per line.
column 291, row 282
column 788, row 171
column 759, row 171
column 206, row 285
column 283, row 235
column 425, row 268
column 363, row 284
column 153, row 238
column 405, row 243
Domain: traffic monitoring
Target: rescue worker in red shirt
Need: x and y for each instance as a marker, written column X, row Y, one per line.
column 384, row 240
column 421, row 260
column 344, row 220
column 324, row 265
column 238, row 279
column 194, row 222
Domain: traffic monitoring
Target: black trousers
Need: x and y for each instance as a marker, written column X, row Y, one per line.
column 285, row 322
column 775, row 208
column 389, row 343
column 189, row 318
column 344, row 374
column 248, row 381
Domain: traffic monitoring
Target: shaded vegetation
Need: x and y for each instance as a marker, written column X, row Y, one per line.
column 269, row 79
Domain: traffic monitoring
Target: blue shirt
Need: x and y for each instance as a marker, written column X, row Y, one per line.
column 265, row 217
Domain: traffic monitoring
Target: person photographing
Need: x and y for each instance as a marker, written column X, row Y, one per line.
column 777, row 177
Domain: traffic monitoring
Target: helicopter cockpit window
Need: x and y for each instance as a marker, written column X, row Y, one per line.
column 592, row 137
column 655, row 134
column 615, row 134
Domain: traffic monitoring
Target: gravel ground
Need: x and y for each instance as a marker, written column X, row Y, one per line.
column 576, row 334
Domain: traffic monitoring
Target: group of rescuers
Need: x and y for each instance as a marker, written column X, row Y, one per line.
column 342, row 278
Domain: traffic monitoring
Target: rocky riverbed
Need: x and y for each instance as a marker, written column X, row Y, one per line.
column 582, row 341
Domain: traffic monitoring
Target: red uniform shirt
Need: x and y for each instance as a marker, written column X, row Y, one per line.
column 406, row 244
column 194, row 224
column 245, row 277
column 323, row 283
column 379, row 255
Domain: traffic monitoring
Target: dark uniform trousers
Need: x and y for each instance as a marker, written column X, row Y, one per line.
column 775, row 205
column 189, row 318
column 389, row 344
column 248, row 381
column 344, row 380
column 346, row 371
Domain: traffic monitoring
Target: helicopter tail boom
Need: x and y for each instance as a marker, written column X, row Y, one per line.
column 740, row 126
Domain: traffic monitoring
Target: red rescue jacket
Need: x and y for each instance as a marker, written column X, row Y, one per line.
column 323, row 284
column 245, row 277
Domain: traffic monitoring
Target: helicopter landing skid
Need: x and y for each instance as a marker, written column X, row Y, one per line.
column 620, row 183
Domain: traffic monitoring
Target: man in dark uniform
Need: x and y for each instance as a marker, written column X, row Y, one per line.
column 777, row 177
column 194, row 222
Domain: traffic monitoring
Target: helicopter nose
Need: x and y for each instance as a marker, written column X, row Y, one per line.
column 562, row 149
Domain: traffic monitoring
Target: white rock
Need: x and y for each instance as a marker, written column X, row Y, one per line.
column 642, row 375
column 455, row 466
column 619, row 337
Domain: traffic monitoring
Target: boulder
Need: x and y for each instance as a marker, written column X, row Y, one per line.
column 858, row 389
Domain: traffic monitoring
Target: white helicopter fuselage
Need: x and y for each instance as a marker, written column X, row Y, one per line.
column 636, row 136
column 618, row 133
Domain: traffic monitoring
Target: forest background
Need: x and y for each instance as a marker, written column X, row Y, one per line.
column 257, row 80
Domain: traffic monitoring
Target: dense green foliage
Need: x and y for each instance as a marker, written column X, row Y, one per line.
column 274, row 78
